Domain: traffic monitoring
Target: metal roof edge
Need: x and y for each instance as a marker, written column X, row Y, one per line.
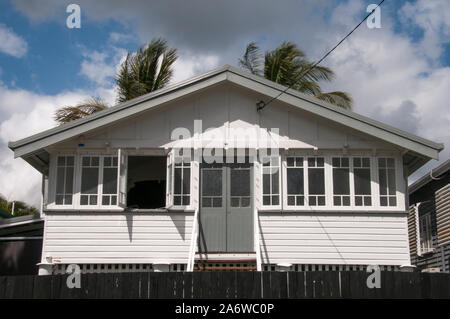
column 429, row 176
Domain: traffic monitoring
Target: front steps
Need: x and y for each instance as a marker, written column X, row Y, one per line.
column 225, row 262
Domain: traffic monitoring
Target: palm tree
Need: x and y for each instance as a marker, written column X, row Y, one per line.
column 287, row 65
column 147, row 70
column 88, row 107
column 150, row 68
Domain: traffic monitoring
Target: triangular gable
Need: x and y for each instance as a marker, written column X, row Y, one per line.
column 418, row 146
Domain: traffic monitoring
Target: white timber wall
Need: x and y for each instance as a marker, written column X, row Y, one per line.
column 224, row 108
column 115, row 238
column 320, row 238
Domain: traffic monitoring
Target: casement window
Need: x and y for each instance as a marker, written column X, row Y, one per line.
column 65, row 168
column 90, row 180
column 97, row 181
column 179, row 180
column 426, row 239
column 109, row 185
column 295, row 179
column 362, row 181
column 386, row 177
column 341, row 181
column 316, row 181
column 271, row 181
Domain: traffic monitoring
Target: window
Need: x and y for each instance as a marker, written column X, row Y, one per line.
column 295, row 181
column 146, row 187
column 182, row 182
column 90, row 173
column 386, row 173
column 64, row 180
column 109, row 186
column 426, row 240
column 271, row 181
column 362, row 180
column 341, row 181
column 316, row 181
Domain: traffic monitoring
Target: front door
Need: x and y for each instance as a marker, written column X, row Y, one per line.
column 226, row 215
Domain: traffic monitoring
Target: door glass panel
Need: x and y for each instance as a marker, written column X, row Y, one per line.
column 240, row 187
column 212, row 188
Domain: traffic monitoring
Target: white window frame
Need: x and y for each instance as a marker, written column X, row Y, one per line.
column 54, row 176
column 170, row 183
column 280, row 185
column 285, row 186
column 77, row 182
column 329, row 204
column 350, row 181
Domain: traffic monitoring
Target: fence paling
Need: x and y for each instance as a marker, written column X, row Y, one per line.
column 319, row 284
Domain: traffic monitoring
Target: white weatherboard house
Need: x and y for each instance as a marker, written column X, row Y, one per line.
column 134, row 188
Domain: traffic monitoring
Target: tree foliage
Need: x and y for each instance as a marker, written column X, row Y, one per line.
column 288, row 66
column 147, row 70
column 88, row 107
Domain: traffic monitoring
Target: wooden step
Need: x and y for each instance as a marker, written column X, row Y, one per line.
column 224, row 268
column 247, row 264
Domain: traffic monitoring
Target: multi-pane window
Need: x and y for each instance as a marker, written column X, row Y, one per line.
column 316, row 181
column 182, row 182
column 109, row 185
column 426, row 239
column 362, row 180
column 295, row 181
column 386, row 174
column 271, row 181
column 64, row 180
column 90, row 172
column 341, row 181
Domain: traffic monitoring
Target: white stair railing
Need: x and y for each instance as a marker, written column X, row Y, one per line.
column 193, row 246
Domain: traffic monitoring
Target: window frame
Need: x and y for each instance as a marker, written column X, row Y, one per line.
column 170, row 182
column 428, row 223
column 78, row 157
column 280, row 185
column 329, row 192
column 54, row 170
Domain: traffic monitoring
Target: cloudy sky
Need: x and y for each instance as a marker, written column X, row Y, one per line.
column 398, row 74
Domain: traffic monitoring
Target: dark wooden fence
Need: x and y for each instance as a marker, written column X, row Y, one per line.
column 346, row 284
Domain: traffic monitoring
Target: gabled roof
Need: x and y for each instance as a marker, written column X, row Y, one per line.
column 419, row 147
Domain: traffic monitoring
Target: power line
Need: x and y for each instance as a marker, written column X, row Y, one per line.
column 261, row 104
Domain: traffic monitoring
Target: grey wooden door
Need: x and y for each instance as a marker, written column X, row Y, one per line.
column 226, row 214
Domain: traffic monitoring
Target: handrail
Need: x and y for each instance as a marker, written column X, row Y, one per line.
column 193, row 245
column 256, row 240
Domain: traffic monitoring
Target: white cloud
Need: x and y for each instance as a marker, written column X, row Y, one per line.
column 188, row 65
column 434, row 18
column 24, row 113
column 95, row 68
column 391, row 80
column 116, row 37
column 11, row 43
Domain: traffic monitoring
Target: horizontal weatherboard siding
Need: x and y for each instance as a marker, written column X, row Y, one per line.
column 331, row 239
column 74, row 237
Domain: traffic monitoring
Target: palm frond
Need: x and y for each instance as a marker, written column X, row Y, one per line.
column 251, row 60
column 150, row 68
column 338, row 98
column 71, row 113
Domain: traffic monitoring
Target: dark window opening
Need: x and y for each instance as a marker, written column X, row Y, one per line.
column 146, row 182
